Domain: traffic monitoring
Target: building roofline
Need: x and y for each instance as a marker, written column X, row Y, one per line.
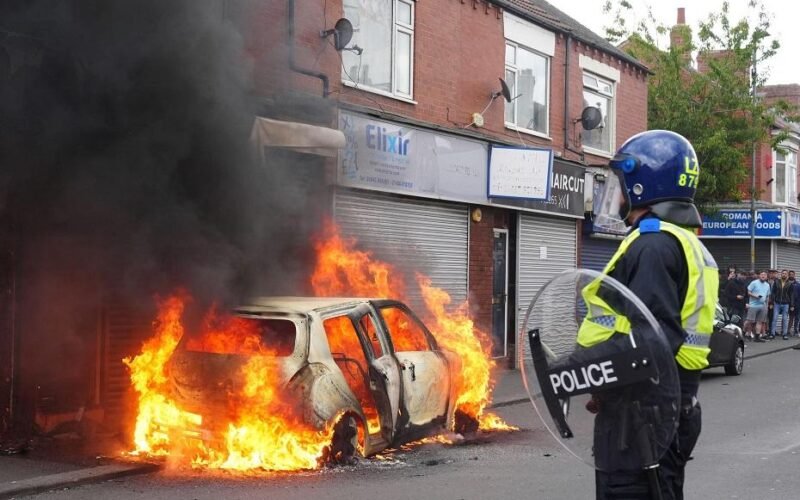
column 570, row 31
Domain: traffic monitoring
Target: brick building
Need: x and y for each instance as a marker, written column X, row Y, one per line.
column 402, row 134
column 427, row 75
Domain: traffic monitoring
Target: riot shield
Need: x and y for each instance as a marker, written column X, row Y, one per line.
column 599, row 371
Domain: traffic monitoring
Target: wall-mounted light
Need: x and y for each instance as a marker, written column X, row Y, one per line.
column 477, row 214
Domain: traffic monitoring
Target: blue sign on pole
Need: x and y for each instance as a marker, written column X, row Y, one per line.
column 736, row 224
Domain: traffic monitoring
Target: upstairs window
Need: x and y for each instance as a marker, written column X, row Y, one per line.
column 384, row 29
column 784, row 190
column 527, row 78
column 599, row 92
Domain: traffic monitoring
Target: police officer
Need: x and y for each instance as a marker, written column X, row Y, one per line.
column 661, row 260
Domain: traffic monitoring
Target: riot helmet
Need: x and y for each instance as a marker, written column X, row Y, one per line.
column 657, row 169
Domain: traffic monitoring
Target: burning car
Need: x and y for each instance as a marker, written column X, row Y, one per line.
column 368, row 369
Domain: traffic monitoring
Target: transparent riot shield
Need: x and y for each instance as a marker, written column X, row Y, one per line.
column 599, row 371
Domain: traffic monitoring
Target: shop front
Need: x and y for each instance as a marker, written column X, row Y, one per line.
column 726, row 234
column 547, row 237
column 486, row 222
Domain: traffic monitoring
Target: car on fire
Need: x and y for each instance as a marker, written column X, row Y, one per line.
column 368, row 367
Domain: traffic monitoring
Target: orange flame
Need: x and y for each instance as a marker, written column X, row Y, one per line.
column 262, row 431
column 343, row 270
column 260, row 427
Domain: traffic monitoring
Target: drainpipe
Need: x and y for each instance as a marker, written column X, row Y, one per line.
column 567, row 146
column 566, row 93
column 290, row 43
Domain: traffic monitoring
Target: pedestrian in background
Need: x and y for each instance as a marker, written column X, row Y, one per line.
column 758, row 293
column 782, row 300
column 793, row 310
column 772, row 275
column 736, row 296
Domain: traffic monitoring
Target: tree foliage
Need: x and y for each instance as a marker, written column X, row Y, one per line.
column 714, row 108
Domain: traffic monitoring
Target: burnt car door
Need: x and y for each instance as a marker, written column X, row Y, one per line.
column 425, row 375
column 383, row 370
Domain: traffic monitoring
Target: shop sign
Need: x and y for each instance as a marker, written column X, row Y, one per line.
column 567, row 184
column 521, row 173
column 736, row 224
column 394, row 157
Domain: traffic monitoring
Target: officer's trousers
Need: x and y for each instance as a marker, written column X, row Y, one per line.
column 636, row 485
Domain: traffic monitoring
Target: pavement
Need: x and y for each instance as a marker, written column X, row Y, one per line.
column 51, row 467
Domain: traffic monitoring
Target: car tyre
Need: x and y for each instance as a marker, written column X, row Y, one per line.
column 343, row 449
column 736, row 366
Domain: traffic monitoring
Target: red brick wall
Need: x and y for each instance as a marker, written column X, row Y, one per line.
column 481, row 263
column 788, row 92
column 458, row 58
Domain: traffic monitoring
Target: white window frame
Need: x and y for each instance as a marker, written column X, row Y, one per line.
column 514, row 69
column 612, row 112
column 397, row 27
column 790, row 179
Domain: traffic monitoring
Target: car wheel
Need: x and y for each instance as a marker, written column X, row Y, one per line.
column 465, row 424
column 736, row 365
column 343, row 449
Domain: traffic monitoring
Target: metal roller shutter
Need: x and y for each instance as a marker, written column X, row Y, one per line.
column 787, row 256
column 413, row 234
column 596, row 252
column 737, row 252
column 546, row 246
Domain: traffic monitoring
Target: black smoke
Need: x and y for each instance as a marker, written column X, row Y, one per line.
column 126, row 170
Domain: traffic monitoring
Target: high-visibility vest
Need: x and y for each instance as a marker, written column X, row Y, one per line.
column 699, row 307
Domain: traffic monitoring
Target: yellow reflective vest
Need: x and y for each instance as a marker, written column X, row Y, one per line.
column 699, row 306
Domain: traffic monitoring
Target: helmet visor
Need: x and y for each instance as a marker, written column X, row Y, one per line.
column 612, row 205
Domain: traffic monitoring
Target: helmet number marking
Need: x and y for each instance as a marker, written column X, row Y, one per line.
column 691, row 173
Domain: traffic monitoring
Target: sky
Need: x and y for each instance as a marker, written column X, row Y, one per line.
column 782, row 68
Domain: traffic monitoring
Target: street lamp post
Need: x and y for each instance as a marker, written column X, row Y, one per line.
column 753, row 76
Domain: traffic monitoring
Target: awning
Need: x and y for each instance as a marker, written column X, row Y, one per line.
column 299, row 137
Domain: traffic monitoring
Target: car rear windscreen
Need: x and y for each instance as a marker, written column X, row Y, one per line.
column 237, row 335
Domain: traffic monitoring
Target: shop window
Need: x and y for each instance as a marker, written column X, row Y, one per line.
column 384, row 30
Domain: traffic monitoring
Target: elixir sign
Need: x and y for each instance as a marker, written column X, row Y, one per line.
column 736, row 224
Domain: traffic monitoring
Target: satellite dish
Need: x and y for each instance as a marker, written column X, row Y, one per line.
column 504, row 91
column 591, row 117
column 342, row 33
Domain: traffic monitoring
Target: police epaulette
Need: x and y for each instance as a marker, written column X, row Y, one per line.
column 651, row 225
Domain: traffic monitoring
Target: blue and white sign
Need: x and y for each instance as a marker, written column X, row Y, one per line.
column 793, row 225
column 398, row 158
column 736, row 224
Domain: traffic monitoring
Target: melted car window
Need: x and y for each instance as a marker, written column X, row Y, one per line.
column 406, row 332
column 349, row 356
column 343, row 339
column 236, row 335
column 372, row 333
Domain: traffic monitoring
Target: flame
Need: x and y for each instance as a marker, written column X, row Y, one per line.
column 263, row 431
column 260, row 426
column 456, row 332
column 343, row 270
